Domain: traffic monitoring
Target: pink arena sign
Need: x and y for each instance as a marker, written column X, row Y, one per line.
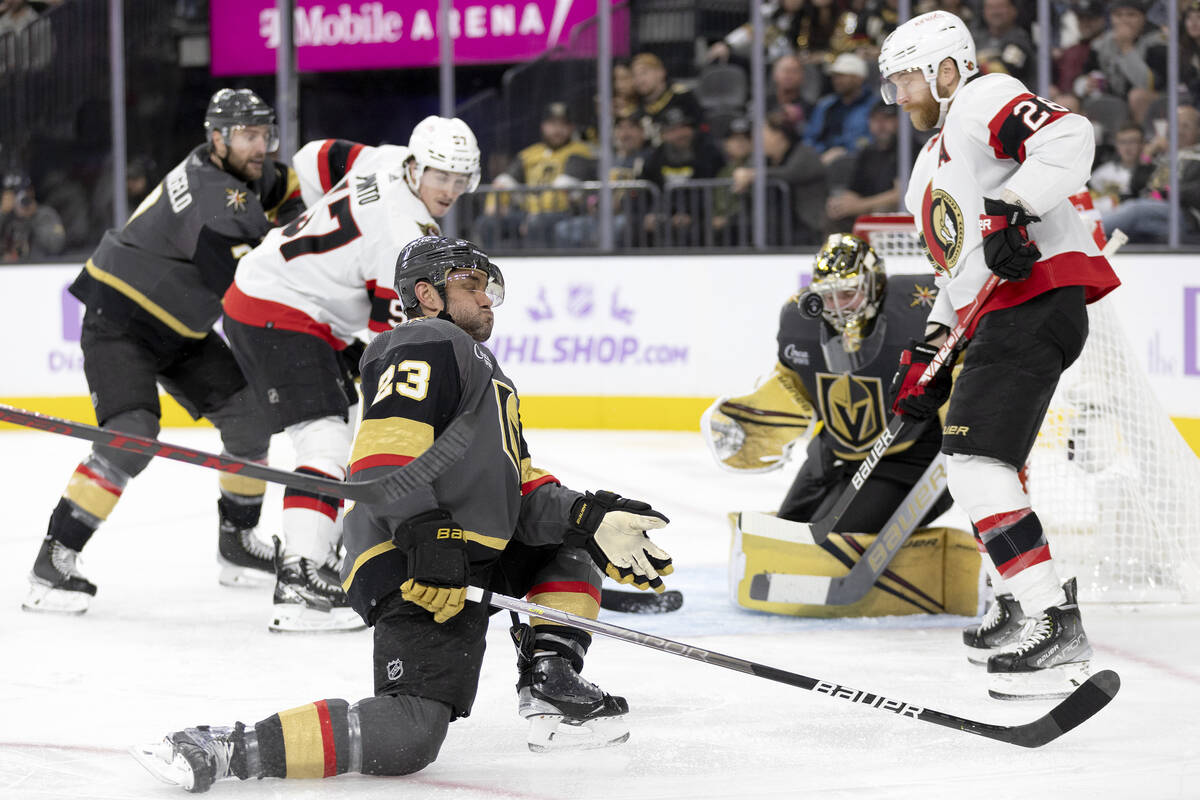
column 386, row 34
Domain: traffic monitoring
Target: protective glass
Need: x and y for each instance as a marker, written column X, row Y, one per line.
column 488, row 280
column 255, row 133
column 889, row 87
column 456, row 182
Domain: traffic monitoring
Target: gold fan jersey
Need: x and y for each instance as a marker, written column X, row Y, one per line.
column 997, row 135
column 417, row 378
column 175, row 257
column 330, row 273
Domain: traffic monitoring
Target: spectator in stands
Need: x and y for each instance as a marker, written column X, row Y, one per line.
column 838, row 123
column 1128, row 60
column 34, row 52
column 726, row 206
column 1124, row 177
column 683, row 155
column 874, row 183
column 657, row 95
column 28, row 231
column 529, row 219
column 1189, row 48
column 15, row 15
column 783, row 22
column 629, row 158
column 872, row 26
column 787, row 91
column 796, row 164
column 625, row 97
column 1001, row 45
column 141, row 175
column 1144, row 218
column 1090, row 21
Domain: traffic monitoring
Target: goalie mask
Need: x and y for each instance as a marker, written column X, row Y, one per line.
column 229, row 109
column 444, row 144
column 849, row 280
column 433, row 258
column 923, row 43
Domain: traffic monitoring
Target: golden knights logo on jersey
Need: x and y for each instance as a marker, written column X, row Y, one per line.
column 852, row 408
column 510, row 425
column 942, row 224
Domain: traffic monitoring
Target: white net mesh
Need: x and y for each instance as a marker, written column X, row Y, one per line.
column 1114, row 483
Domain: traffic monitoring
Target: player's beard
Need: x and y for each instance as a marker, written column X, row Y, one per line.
column 924, row 113
column 477, row 322
column 244, row 170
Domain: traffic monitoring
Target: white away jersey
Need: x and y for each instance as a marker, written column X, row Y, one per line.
column 330, row 273
column 998, row 136
column 322, row 163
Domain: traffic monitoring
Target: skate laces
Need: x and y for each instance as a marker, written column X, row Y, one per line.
column 1038, row 632
column 253, row 545
column 313, row 576
column 64, row 559
column 992, row 618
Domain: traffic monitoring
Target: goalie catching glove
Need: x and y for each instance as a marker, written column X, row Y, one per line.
column 756, row 432
column 615, row 530
column 438, row 565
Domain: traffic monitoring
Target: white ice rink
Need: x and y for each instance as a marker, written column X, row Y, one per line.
column 164, row 646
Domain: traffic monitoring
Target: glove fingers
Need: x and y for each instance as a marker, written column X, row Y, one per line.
column 455, row 600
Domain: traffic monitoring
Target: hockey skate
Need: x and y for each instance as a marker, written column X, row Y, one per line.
column 1051, row 659
column 244, row 558
column 307, row 600
column 1001, row 626
column 195, row 758
column 55, row 585
column 566, row 712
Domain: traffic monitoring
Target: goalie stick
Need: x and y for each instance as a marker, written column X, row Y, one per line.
column 446, row 449
column 1090, row 696
column 872, row 563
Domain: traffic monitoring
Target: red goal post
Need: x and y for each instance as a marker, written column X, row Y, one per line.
column 890, row 234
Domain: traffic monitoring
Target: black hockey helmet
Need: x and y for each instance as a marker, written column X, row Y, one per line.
column 232, row 108
column 433, row 258
column 849, row 279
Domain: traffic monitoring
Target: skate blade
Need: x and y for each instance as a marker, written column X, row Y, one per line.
column 1042, row 684
column 244, row 577
column 161, row 762
column 297, row 618
column 552, row 733
column 48, row 600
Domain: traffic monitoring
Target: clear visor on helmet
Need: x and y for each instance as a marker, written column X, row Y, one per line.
column 457, row 182
column 475, row 279
column 910, row 79
column 253, row 134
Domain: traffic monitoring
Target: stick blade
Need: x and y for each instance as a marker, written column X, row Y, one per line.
column 1082, row 704
column 448, row 448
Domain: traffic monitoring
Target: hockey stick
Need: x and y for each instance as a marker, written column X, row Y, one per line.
column 447, row 448
column 854, row 585
column 1091, row 696
column 641, row 602
column 821, row 528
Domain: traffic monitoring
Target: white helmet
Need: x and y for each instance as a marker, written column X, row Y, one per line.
column 445, row 144
column 923, row 43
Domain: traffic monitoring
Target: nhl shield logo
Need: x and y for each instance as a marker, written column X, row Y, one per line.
column 395, row 668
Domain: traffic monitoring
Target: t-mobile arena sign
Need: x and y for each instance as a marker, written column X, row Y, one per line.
column 387, row 34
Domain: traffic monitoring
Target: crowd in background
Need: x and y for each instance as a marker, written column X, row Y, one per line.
column 684, row 140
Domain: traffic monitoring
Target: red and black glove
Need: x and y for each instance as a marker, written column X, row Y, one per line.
column 1007, row 248
column 910, row 398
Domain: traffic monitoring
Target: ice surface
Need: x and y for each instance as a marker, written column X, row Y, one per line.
column 164, row 646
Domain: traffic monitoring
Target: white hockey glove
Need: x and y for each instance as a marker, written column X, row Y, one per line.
column 613, row 531
column 756, row 432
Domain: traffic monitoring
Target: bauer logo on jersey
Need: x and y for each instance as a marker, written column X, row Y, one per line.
column 852, row 407
column 395, row 668
column 942, row 224
column 235, row 199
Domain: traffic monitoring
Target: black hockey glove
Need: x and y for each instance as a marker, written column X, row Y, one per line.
column 910, row 398
column 1007, row 248
column 613, row 531
column 438, row 564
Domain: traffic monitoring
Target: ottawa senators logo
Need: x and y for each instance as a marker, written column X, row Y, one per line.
column 429, row 229
column 852, row 407
column 942, row 225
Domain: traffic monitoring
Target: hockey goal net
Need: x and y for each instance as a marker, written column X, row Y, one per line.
column 1115, row 484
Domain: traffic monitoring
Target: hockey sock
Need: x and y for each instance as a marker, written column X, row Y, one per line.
column 242, row 491
column 1018, row 549
column 311, row 741
column 998, row 584
column 577, row 597
column 91, row 494
column 309, row 519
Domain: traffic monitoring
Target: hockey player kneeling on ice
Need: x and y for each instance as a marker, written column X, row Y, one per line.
column 152, row 291
column 492, row 519
column 297, row 307
column 990, row 192
column 838, row 344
